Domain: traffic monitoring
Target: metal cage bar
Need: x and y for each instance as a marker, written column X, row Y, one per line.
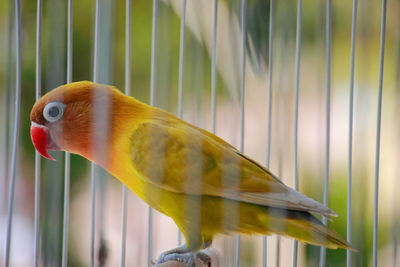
column 128, row 22
column 5, row 170
column 92, row 165
column 11, row 192
column 214, row 66
column 38, row 75
column 243, row 73
column 181, row 59
column 269, row 104
column 296, row 113
column 378, row 134
column 123, row 225
column 152, row 103
column 242, row 101
column 328, row 39
column 181, row 72
column 351, row 115
column 67, row 167
column 396, row 206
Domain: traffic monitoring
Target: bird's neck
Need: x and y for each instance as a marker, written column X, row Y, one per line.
column 105, row 139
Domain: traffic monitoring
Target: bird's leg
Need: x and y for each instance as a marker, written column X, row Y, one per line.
column 207, row 244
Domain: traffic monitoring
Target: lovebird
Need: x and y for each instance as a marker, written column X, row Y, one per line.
column 204, row 184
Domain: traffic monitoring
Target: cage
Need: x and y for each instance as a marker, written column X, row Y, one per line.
column 309, row 89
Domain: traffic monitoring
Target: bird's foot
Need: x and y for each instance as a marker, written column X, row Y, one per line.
column 203, row 258
column 186, row 258
column 167, row 255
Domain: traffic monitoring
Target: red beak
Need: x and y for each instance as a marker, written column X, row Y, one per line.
column 41, row 139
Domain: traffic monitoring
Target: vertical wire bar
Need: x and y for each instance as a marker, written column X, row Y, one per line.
column 181, row 59
column 150, row 238
column 102, row 109
column 328, row 115
column 123, row 225
column 92, row 165
column 396, row 206
column 327, row 136
column 92, row 213
column 378, row 133
column 269, row 105
column 242, row 101
column 152, row 102
column 180, row 82
column 214, row 67
column 350, row 142
column 7, row 115
column 7, row 107
column 36, row 249
column 153, row 52
column 243, row 72
column 270, row 61
column 16, row 133
column 296, row 112
column 67, row 167
column 128, row 17
column 96, row 40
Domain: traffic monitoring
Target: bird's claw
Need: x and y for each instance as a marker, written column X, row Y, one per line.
column 187, row 259
column 204, row 258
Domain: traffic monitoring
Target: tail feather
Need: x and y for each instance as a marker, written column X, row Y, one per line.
column 318, row 234
column 304, row 227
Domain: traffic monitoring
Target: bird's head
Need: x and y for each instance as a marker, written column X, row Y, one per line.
column 68, row 117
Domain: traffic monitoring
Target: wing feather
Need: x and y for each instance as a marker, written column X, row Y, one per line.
column 185, row 159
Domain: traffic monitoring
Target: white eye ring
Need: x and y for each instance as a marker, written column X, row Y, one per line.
column 53, row 111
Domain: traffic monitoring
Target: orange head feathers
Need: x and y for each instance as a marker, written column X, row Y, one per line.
column 79, row 118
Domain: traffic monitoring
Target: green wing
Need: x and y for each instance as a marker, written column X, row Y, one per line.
column 182, row 158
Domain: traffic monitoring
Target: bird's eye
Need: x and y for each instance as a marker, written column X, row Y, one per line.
column 53, row 111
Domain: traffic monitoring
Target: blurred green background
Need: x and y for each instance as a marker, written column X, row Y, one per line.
column 197, row 110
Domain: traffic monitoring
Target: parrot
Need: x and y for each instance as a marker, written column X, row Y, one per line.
column 207, row 186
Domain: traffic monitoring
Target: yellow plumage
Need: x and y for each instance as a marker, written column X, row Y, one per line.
column 204, row 184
